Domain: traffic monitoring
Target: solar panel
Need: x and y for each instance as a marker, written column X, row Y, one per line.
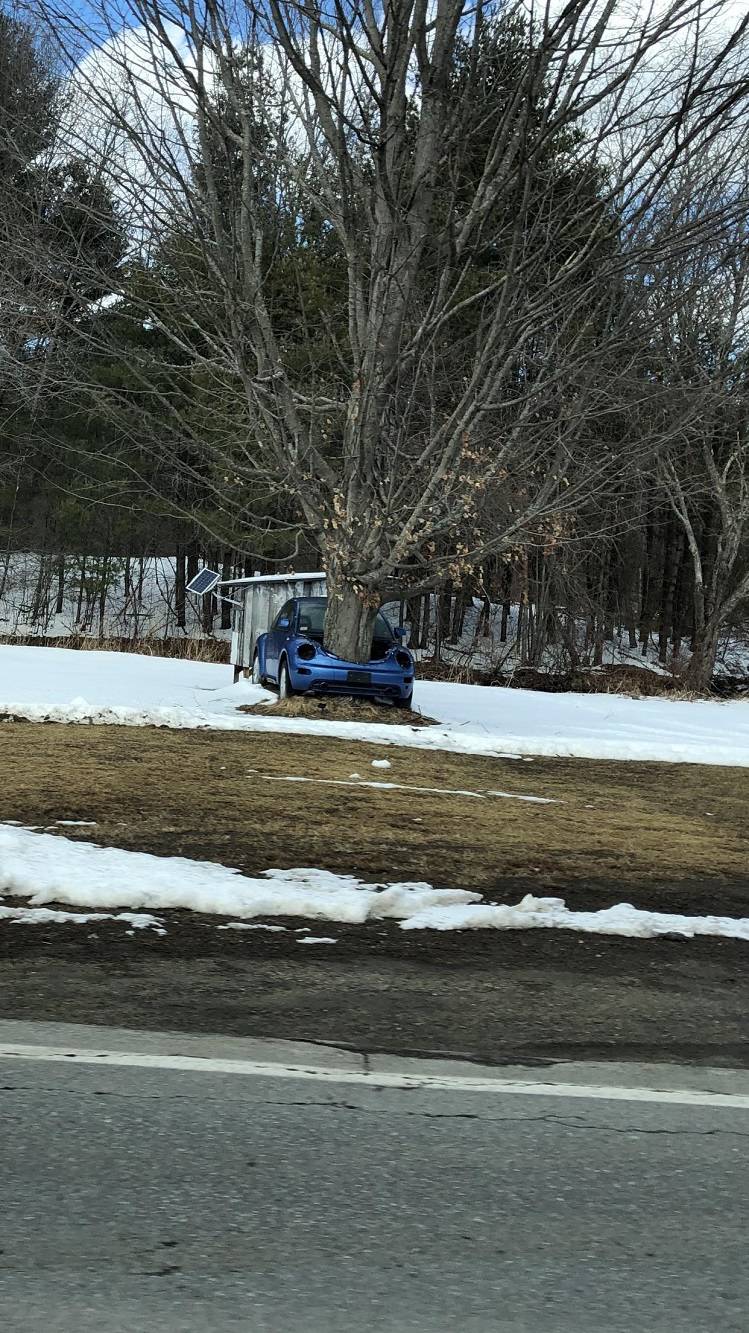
column 203, row 582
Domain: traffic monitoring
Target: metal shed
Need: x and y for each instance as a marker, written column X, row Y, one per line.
column 255, row 604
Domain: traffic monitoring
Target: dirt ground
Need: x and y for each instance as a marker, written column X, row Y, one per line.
column 497, row 997
column 672, row 837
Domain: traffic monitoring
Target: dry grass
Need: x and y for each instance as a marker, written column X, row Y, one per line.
column 190, row 650
column 339, row 709
column 628, row 830
column 632, row 681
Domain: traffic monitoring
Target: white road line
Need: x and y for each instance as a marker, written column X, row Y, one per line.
column 384, row 1079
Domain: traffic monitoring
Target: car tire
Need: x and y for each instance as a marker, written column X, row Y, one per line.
column 285, row 690
column 405, row 703
column 257, row 679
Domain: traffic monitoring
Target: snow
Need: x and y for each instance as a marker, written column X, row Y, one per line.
column 47, row 868
column 28, row 597
column 64, row 685
column 139, row 602
column 44, row 916
column 381, row 763
column 553, row 914
column 356, row 781
column 250, row 925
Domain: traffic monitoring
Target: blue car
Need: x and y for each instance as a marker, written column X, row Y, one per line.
column 292, row 656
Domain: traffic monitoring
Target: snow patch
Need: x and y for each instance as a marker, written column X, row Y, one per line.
column 44, row 916
column 553, row 914
column 51, row 868
column 250, row 925
column 47, row 867
column 401, row 786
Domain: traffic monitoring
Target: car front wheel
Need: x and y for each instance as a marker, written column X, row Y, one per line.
column 285, row 690
column 405, row 703
column 256, row 677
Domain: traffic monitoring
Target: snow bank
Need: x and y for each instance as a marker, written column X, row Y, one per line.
column 47, row 868
column 553, row 914
column 126, row 689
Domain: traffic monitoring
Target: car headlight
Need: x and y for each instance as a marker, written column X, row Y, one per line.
column 403, row 659
column 306, row 651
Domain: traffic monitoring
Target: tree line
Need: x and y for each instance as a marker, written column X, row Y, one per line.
column 449, row 300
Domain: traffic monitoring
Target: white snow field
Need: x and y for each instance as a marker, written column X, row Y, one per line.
column 45, row 867
column 65, row 685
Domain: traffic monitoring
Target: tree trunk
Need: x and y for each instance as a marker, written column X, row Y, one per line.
column 208, row 613
column 413, row 616
column 103, row 590
column 484, row 622
column 81, row 586
column 699, row 672
column 459, row 614
column 193, row 556
column 180, row 580
column 646, row 593
column 60, row 585
column 349, row 622
column 671, row 561
column 225, row 606
column 426, row 618
column 442, row 631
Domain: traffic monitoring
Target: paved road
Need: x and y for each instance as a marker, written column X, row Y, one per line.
column 138, row 1199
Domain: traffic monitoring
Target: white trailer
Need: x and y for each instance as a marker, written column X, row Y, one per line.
column 255, row 604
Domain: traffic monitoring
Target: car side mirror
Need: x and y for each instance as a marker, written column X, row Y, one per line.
column 305, row 626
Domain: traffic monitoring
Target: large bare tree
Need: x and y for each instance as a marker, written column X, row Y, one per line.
column 486, row 325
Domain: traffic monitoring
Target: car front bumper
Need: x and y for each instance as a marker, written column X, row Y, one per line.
column 372, row 680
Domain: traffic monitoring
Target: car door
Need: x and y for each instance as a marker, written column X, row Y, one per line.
column 276, row 637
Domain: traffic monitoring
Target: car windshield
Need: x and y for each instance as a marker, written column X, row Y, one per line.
column 313, row 614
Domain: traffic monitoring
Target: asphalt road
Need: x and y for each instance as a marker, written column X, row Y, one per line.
column 138, row 1199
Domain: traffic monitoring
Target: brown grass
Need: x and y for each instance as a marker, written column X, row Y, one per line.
column 339, row 709
column 628, row 830
column 191, row 650
column 634, row 682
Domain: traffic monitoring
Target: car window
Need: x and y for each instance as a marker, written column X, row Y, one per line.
column 313, row 614
column 381, row 628
column 285, row 612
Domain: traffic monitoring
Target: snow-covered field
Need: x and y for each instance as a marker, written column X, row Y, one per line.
column 57, row 684
column 45, row 867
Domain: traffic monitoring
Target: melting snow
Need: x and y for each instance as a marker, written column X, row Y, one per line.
column 44, row 916
column 127, row 689
column 51, row 868
column 401, row 786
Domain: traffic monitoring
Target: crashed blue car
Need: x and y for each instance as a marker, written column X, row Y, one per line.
column 293, row 657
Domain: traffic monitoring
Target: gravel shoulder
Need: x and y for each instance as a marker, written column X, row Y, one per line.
column 494, row 997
